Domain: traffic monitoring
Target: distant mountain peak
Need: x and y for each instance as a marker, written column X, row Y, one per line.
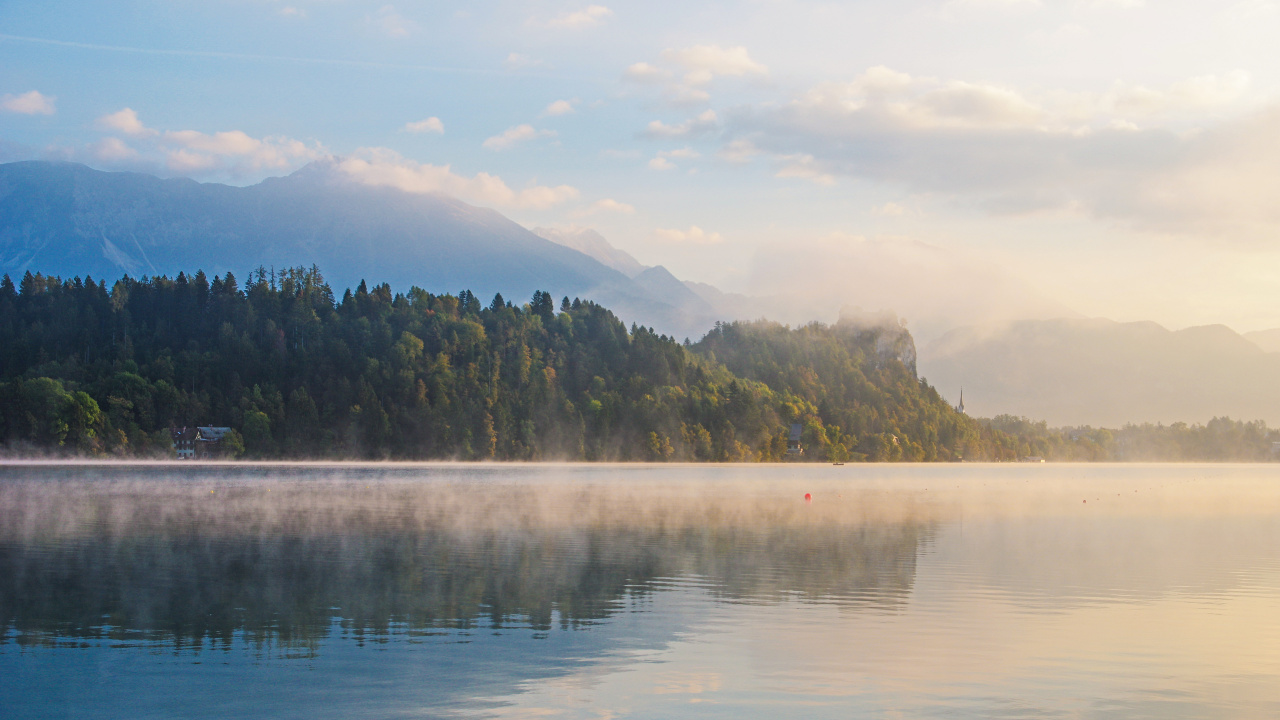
column 591, row 243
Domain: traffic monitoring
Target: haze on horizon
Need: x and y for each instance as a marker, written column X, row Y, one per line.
column 958, row 161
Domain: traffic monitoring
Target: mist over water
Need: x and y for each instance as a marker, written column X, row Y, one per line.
column 643, row 591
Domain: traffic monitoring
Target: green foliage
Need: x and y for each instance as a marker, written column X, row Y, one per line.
column 853, row 389
column 375, row 374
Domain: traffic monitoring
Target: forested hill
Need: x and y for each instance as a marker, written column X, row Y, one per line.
column 95, row 369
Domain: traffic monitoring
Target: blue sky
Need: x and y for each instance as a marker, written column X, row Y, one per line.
column 951, row 159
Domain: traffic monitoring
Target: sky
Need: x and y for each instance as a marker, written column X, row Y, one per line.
column 957, row 161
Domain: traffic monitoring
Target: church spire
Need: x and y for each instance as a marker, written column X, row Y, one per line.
column 960, row 407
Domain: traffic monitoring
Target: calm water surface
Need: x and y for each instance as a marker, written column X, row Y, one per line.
column 639, row 591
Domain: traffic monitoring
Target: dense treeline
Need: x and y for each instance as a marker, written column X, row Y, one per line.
column 1220, row 439
column 299, row 373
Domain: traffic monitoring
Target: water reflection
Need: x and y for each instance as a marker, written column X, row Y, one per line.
column 279, row 557
column 580, row 591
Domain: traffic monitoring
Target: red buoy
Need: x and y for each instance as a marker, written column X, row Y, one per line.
column 808, row 497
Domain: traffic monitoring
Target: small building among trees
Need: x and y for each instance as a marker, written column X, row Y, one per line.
column 202, row 442
column 793, row 440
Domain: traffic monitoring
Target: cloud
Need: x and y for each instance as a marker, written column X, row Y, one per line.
column 693, row 236
column 934, row 288
column 584, row 18
column 998, row 4
column 230, row 154
column 234, row 152
column 1117, row 155
column 704, row 123
column 738, row 151
column 513, row 136
column 889, row 209
column 611, row 205
column 125, row 121
column 643, row 72
column 702, row 63
column 559, row 107
column 28, row 103
column 663, row 160
column 192, row 152
column 113, row 150
column 386, row 168
column 431, row 124
column 391, row 23
column 1196, row 93
column 516, row 61
column 291, row 11
column 804, row 167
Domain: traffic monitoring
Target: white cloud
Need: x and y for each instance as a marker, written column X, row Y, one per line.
column 643, row 72
column 1118, row 155
column 693, row 236
column 686, row 153
column 889, row 209
column 702, row 63
column 382, row 167
column 1249, row 11
column 804, row 166
column 934, row 288
column 994, row 3
column 112, row 150
column 738, row 151
column 611, row 205
column 187, row 162
column 125, row 121
column 291, row 11
column 431, row 124
column 1193, row 94
column 887, row 98
column 953, row 9
column 663, row 160
column 231, row 142
column 515, row 135
column 559, row 107
column 704, row 123
column 516, row 61
column 586, row 17
column 233, row 152
column 390, row 22
column 28, row 103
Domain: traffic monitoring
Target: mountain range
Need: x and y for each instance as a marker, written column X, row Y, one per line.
column 1104, row 373
column 68, row 219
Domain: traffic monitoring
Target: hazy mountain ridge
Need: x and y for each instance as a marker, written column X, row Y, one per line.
column 1268, row 340
column 591, row 243
column 1102, row 372
column 69, row 219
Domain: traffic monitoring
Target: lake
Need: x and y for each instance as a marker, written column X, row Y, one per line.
column 639, row 591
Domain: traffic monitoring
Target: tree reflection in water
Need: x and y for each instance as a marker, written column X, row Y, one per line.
column 279, row 556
